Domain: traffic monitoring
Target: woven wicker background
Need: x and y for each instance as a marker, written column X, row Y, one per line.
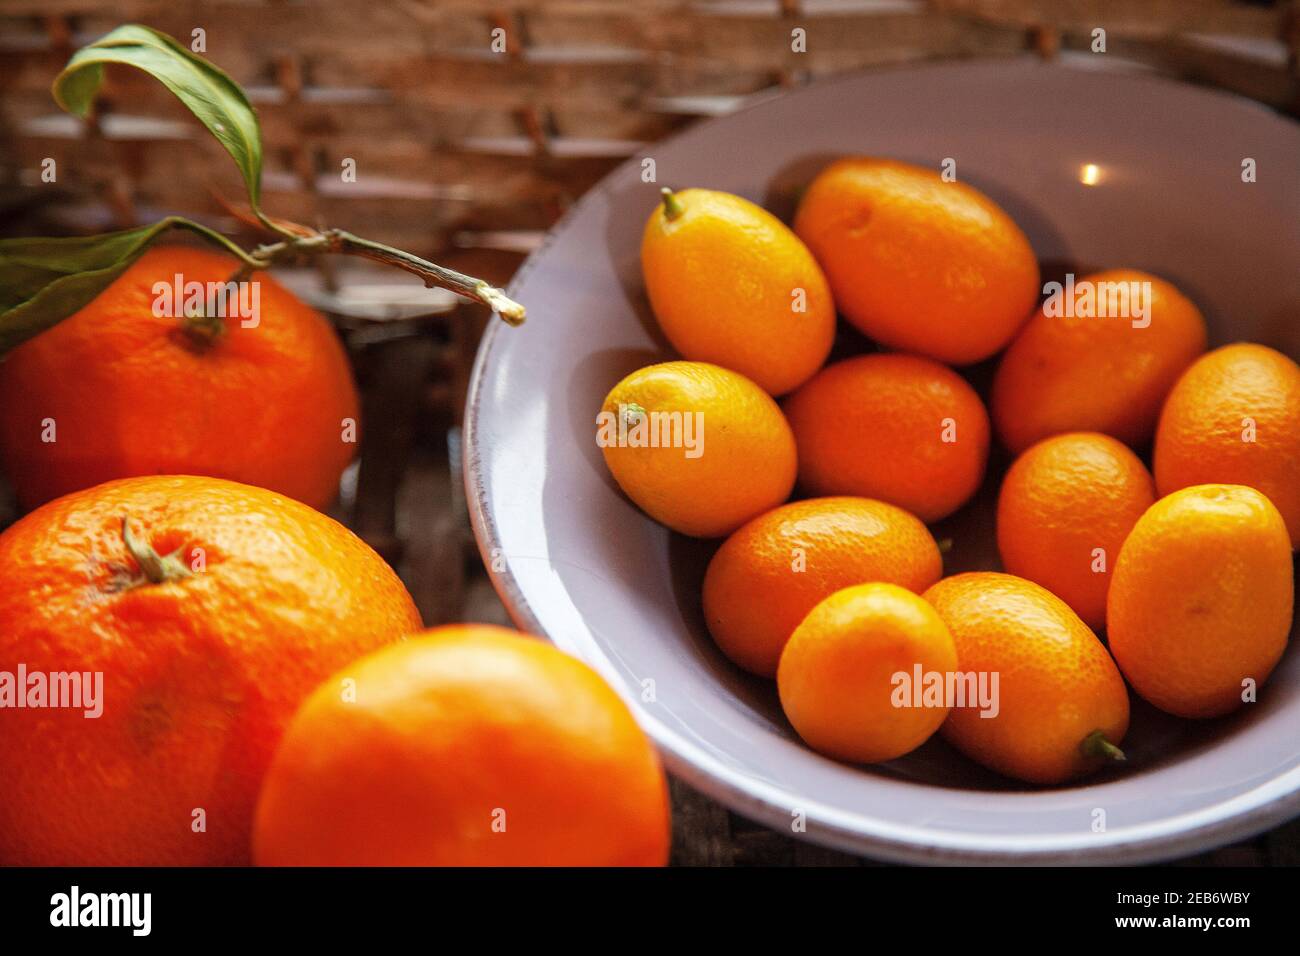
column 468, row 155
column 461, row 149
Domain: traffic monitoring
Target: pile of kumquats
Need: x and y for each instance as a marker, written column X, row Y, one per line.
column 1154, row 496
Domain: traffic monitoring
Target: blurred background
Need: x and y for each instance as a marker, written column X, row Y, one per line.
column 472, row 125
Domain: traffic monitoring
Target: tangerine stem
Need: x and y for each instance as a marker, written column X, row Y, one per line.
column 633, row 413
column 156, row 568
column 204, row 326
column 340, row 241
column 672, row 205
column 432, row 273
column 1096, row 745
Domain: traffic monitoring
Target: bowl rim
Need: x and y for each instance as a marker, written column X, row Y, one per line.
column 1244, row 815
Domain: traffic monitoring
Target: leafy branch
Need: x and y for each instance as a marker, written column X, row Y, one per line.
column 44, row 280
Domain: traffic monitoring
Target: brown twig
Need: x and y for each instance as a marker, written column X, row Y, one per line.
column 341, row 241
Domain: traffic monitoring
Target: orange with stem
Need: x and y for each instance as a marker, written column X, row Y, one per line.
column 119, row 390
column 209, row 610
column 1059, row 708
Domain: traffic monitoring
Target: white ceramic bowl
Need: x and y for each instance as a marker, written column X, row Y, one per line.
column 583, row 566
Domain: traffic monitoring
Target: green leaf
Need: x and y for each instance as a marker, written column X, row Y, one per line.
column 211, row 95
column 43, row 281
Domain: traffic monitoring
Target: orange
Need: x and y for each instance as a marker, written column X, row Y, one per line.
column 115, row 391
column 919, row 264
column 1234, row 417
column 468, row 745
column 899, row 428
column 1200, row 608
column 731, row 284
column 853, row 675
column 1073, row 373
column 699, row 448
column 1061, row 705
column 1066, row 506
column 772, row 571
column 210, row 625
